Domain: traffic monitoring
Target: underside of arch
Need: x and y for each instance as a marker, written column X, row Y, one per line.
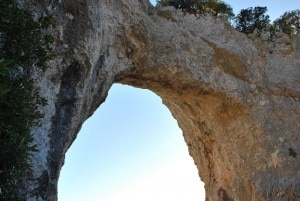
column 216, row 129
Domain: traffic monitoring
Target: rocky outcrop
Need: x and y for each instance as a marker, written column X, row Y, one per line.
column 236, row 97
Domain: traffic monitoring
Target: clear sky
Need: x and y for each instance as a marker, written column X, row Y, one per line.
column 132, row 149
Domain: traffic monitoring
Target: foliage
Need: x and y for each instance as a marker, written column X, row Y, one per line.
column 22, row 46
column 288, row 23
column 21, row 38
column 4, row 72
column 214, row 7
column 252, row 20
column 178, row 4
column 19, row 113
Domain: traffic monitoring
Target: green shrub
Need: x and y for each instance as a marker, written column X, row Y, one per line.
column 253, row 20
column 288, row 23
column 22, row 46
column 213, row 7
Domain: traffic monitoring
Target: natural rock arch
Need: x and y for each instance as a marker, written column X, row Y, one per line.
column 235, row 98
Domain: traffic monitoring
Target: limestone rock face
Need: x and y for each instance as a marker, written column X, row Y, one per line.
column 236, row 97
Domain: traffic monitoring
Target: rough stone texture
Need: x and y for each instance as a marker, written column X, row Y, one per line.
column 235, row 97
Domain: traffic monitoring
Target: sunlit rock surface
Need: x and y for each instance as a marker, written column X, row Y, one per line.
column 235, row 97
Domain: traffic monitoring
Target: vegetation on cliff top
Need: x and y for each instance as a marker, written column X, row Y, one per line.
column 22, row 47
column 213, row 7
column 255, row 20
column 250, row 20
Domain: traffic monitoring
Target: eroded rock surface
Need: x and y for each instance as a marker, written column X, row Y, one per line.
column 235, row 97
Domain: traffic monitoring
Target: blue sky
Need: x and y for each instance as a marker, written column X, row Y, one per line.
column 132, row 148
column 129, row 148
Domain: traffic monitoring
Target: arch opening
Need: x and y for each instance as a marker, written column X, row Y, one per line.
column 131, row 148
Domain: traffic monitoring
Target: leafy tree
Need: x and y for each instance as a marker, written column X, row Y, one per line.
column 185, row 5
column 22, row 45
column 21, row 38
column 4, row 72
column 288, row 23
column 178, row 4
column 214, row 7
column 252, row 20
